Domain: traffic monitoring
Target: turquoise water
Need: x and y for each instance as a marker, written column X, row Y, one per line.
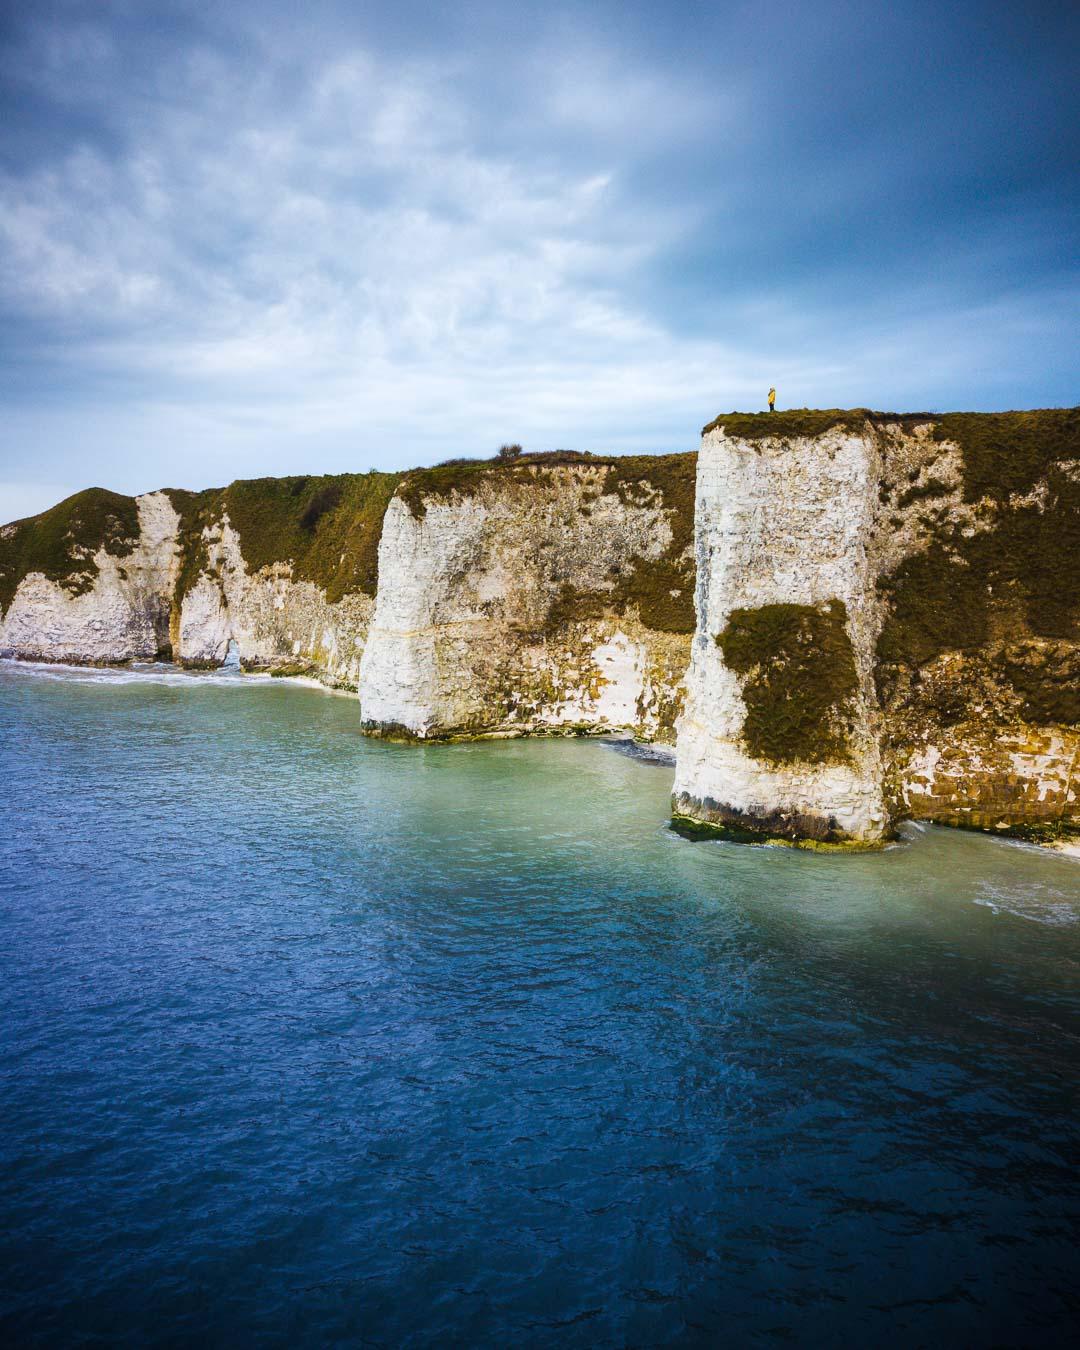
column 309, row 1039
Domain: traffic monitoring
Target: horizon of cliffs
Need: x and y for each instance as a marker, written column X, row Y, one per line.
column 839, row 618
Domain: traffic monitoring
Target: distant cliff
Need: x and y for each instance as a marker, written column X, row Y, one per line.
column 846, row 617
column 888, row 613
column 548, row 594
column 285, row 568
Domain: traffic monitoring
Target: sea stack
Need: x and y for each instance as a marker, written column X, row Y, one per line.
column 887, row 615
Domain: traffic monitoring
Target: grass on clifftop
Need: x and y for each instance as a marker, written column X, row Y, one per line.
column 327, row 526
column 796, row 422
column 1005, row 454
column 799, row 680
column 1021, row 570
column 465, row 476
column 61, row 542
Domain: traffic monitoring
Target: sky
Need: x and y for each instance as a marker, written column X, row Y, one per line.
column 263, row 238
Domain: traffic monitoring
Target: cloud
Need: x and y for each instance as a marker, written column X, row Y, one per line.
column 248, row 247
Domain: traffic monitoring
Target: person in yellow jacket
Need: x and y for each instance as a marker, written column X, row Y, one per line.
column 772, row 400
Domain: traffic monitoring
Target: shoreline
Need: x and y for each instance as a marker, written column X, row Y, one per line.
column 621, row 742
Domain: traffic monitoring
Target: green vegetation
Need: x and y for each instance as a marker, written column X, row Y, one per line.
column 815, row 834
column 1005, row 454
column 1020, row 569
column 662, row 590
column 1047, row 678
column 465, row 477
column 805, row 422
column 1039, row 831
column 196, row 511
column 61, row 542
column 937, row 603
column 933, row 487
column 799, row 680
column 327, row 526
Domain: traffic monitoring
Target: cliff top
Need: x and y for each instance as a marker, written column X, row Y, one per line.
column 61, row 542
column 1003, row 453
column 326, row 525
column 329, row 526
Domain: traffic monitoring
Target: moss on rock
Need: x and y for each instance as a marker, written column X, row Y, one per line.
column 799, row 680
column 1015, row 575
column 703, row 831
column 1046, row 676
column 327, row 527
column 61, row 543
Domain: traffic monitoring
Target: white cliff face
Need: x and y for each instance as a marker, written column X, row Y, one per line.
column 467, row 636
column 124, row 615
column 780, row 522
column 204, row 631
column 278, row 623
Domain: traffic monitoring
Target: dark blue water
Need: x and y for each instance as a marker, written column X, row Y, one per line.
column 311, row 1040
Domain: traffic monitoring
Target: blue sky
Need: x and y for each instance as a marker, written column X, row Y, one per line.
column 244, row 239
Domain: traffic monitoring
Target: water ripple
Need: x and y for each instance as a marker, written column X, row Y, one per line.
column 313, row 1040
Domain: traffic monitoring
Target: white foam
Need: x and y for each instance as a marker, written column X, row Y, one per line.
column 1035, row 901
column 148, row 672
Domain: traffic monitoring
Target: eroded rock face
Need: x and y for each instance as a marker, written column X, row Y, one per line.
column 278, row 623
column 887, row 607
column 122, row 616
column 499, row 611
column 782, row 522
column 949, row 547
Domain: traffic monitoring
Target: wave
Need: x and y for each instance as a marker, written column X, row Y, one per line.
column 1034, row 901
column 138, row 672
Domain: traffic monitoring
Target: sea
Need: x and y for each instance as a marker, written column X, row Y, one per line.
column 309, row 1039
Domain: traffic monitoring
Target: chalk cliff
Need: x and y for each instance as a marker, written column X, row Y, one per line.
column 548, row 593
column 541, row 595
column 887, row 624
column 89, row 580
column 845, row 618
column 283, row 568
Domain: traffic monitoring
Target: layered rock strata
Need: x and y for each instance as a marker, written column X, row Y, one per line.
column 887, row 622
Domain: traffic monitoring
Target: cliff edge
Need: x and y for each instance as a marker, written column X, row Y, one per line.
column 888, row 611
column 843, row 618
column 553, row 593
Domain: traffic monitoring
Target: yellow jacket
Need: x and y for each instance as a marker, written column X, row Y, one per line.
column 772, row 395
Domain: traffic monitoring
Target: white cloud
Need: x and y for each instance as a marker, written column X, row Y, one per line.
column 332, row 266
column 349, row 257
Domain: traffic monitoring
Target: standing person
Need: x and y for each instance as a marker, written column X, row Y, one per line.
column 772, row 400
